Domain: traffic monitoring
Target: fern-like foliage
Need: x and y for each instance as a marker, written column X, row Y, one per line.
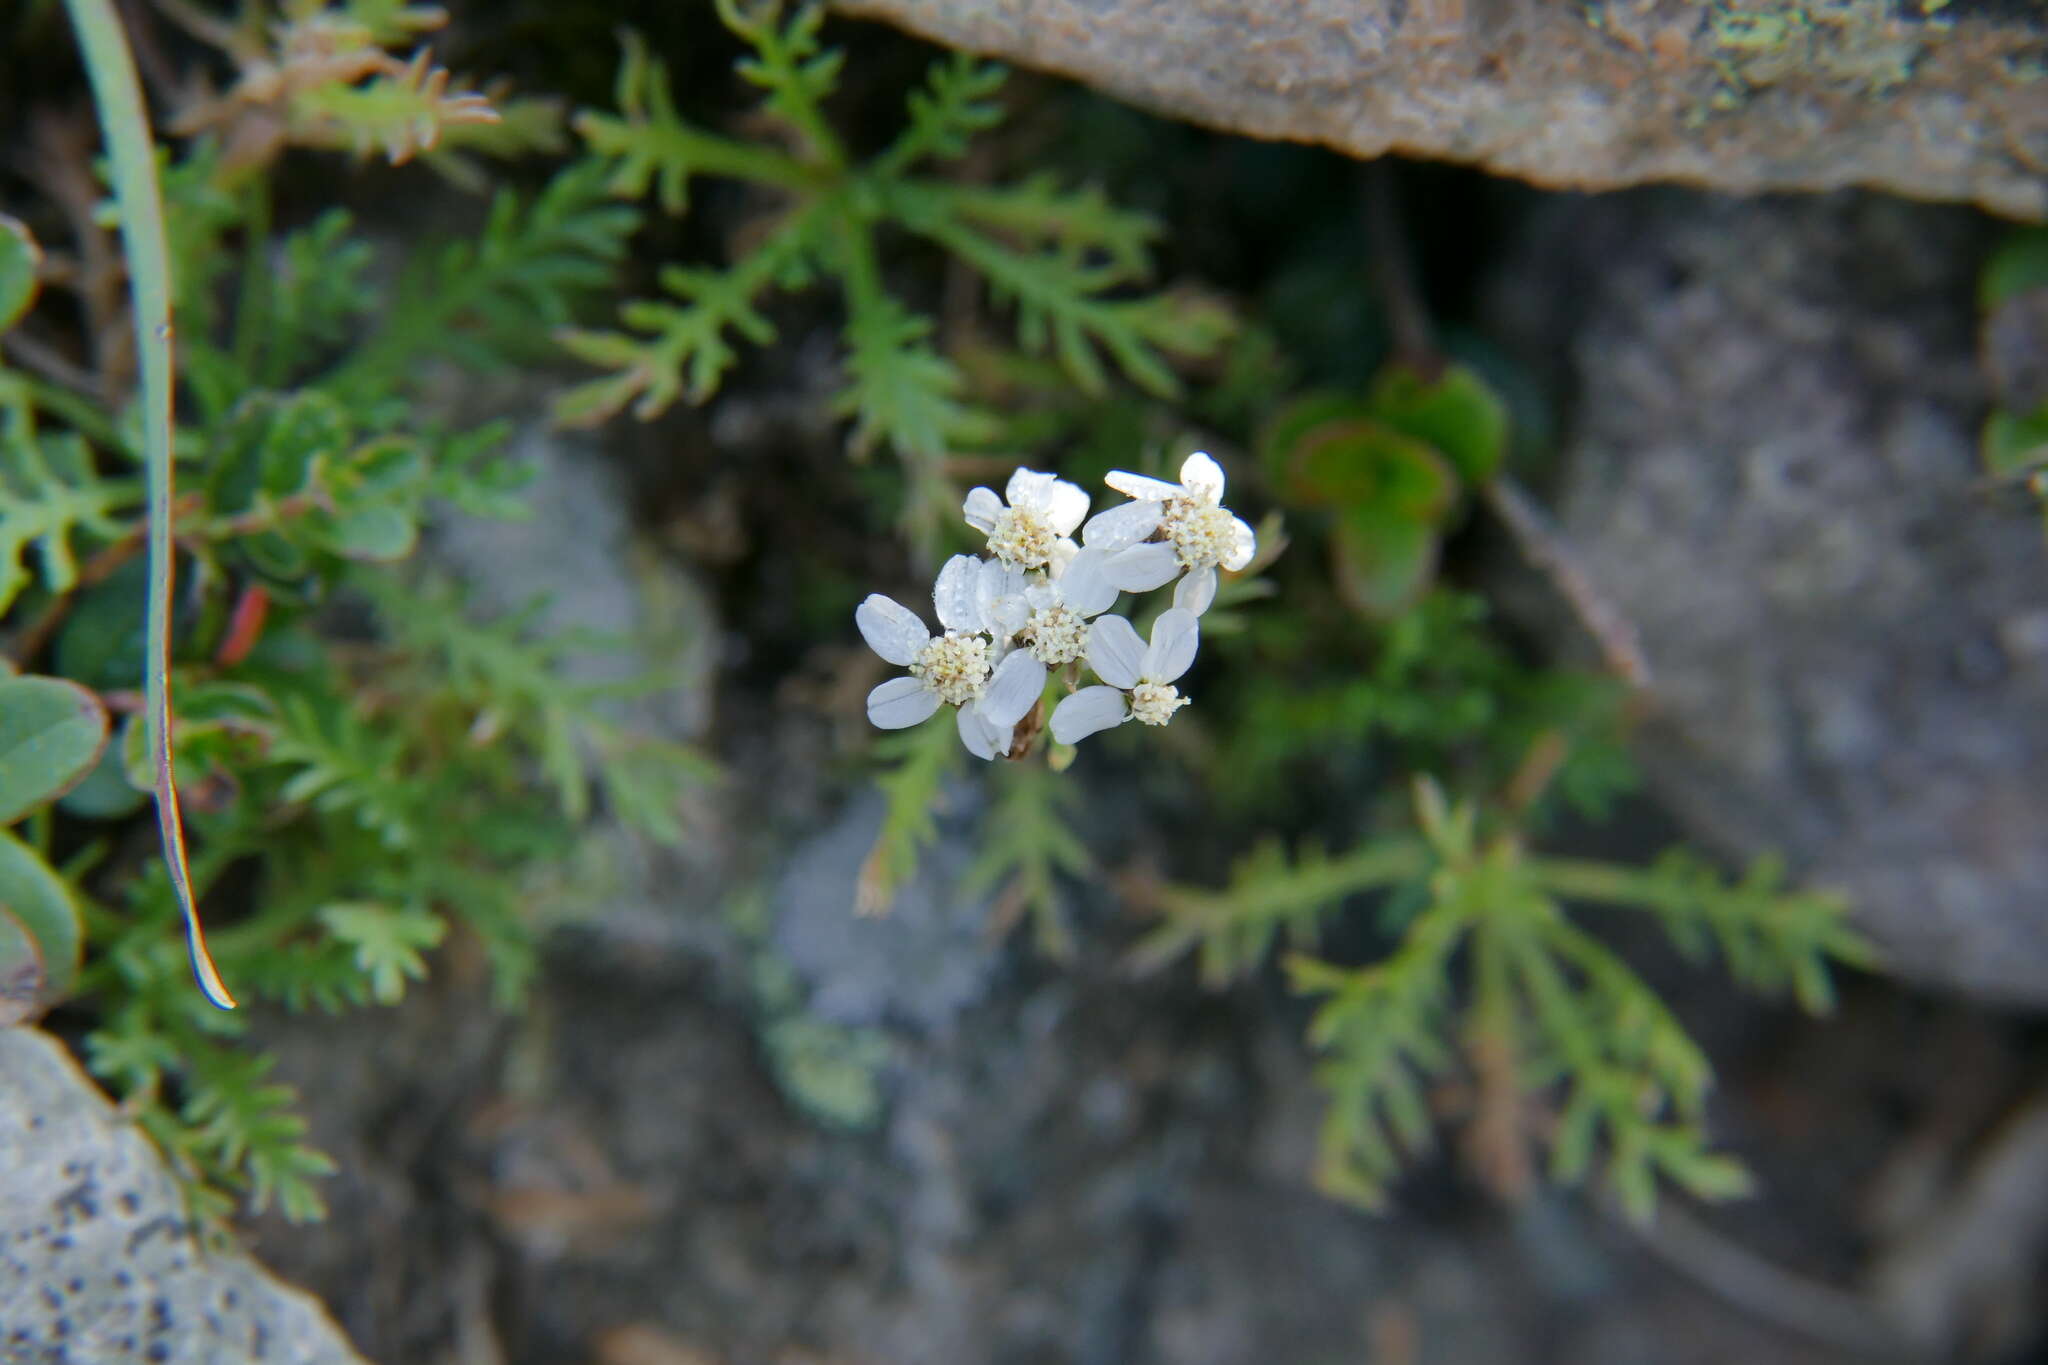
column 912, row 791
column 1065, row 260
column 340, row 763
column 1548, row 1014
column 383, row 803
column 386, row 942
column 234, row 1119
column 508, row 681
column 52, row 499
column 1027, row 845
column 483, row 300
column 1770, row 937
column 1232, row 932
column 376, row 795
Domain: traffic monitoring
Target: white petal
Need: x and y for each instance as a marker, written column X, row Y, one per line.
column 1174, row 637
column 891, row 629
column 1202, row 477
column 1063, row 551
column 1140, row 487
column 983, row 738
column 1142, row 567
column 1029, row 488
column 997, row 579
column 1085, row 586
column 1122, row 526
column 1115, row 652
column 1065, row 506
column 1012, row 688
column 1243, row 545
column 1089, row 710
column 954, row 594
column 901, row 702
column 1195, row 592
column 982, row 508
column 1001, row 597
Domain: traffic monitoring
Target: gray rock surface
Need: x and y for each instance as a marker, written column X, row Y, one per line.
column 578, row 556
column 1769, row 466
column 1740, row 95
column 98, row 1263
column 923, row 962
column 1089, row 1172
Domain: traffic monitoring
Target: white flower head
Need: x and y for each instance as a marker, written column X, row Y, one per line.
column 1137, row 678
column 1055, row 613
column 968, row 667
column 1195, row 532
column 1037, row 527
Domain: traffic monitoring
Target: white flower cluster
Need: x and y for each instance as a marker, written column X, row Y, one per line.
column 1037, row 603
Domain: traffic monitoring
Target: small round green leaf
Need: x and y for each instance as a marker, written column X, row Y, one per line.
column 20, row 259
column 103, row 643
column 21, row 973
column 1362, row 465
column 386, row 468
column 51, row 734
column 1283, row 435
column 39, row 901
column 1382, row 564
column 374, row 532
column 105, row 793
column 1457, row 413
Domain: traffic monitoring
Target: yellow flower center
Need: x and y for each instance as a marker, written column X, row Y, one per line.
column 955, row 666
column 1021, row 536
column 1201, row 534
column 1155, row 703
column 1057, row 634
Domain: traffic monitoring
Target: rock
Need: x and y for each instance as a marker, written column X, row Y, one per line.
column 648, row 624
column 578, row 557
column 1770, row 469
column 928, row 958
column 1746, row 95
column 98, row 1262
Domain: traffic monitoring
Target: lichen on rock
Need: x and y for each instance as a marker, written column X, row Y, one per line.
column 1934, row 101
column 99, row 1261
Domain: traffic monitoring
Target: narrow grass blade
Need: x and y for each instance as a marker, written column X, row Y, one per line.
column 118, row 95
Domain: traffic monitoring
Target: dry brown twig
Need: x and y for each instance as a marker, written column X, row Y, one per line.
column 1545, row 548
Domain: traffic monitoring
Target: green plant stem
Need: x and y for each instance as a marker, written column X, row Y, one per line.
column 1583, row 879
column 118, row 95
column 82, row 413
column 1371, row 867
column 1257, row 905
